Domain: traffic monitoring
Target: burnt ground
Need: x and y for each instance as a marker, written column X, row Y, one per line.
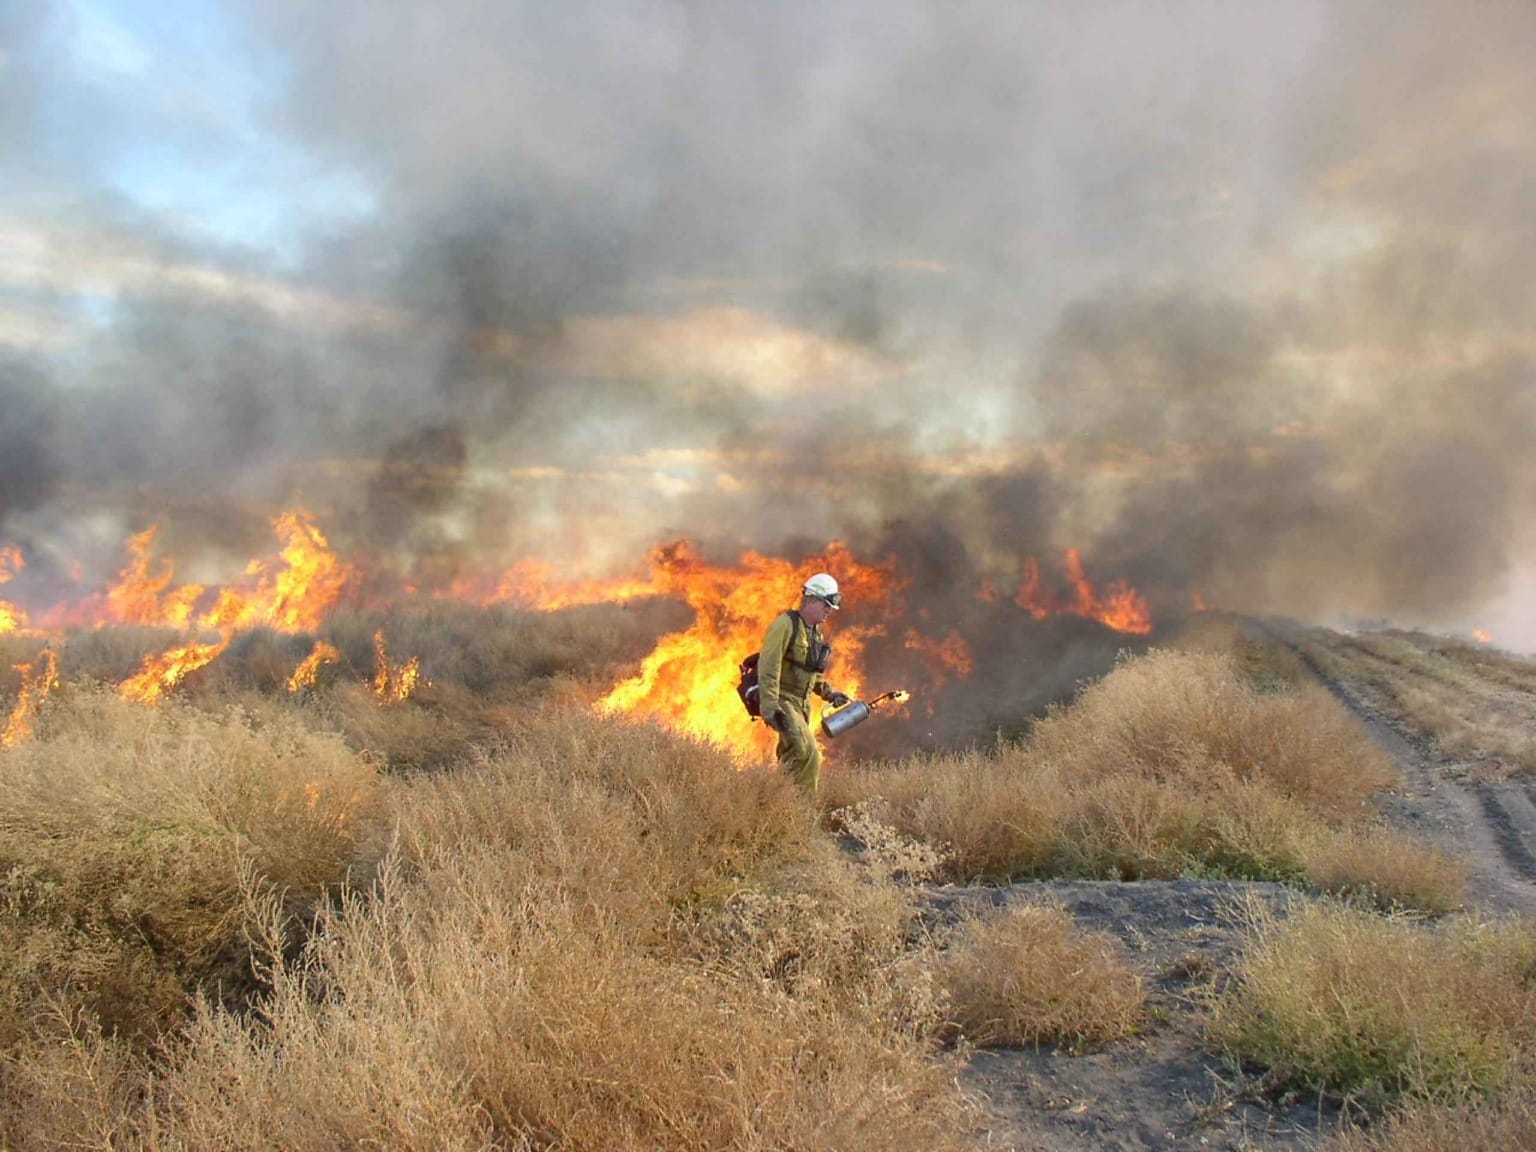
column 1164, row 1089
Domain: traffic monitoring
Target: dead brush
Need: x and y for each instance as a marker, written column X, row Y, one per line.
column 1173, row 764
column 1126, row 828
column 883, row 851
column 110, row 655
column 530, row 970
column 1383, row 1008
column 624, row 811
column 1386, row 869
column 501, row 651
column 423, row 733
column 988, row 817
column 70, row 1085
column 128, row 837
column 457, row 1010
column 1169, row 715
column 1129, row 828
column 822, row 928
column 1505, row 1125
column 1029, row 976
column 1266, row 665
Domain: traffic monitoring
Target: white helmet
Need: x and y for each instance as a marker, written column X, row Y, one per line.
column 823, row 587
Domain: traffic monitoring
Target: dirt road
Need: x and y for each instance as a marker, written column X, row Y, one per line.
column 1459, row 721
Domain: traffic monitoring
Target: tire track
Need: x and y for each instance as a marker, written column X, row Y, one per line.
column 1513, row 820
column 1492, row 824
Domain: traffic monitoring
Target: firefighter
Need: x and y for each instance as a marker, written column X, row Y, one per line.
column 792, row 665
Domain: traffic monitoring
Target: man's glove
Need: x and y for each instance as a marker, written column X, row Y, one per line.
column 771, row 715
column 838, row 699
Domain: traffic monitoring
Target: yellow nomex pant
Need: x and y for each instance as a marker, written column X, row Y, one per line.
column 799, row 755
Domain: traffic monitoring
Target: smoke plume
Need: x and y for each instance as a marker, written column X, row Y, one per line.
column 1235, row 301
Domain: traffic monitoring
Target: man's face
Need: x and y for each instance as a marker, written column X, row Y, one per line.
column 815, row 610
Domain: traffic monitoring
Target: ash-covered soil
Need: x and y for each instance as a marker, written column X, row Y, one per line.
column 1164, row 1089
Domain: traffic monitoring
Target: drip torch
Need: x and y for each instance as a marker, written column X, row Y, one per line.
column 836, row 721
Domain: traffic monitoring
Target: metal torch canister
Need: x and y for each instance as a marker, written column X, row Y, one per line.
column 850, row 715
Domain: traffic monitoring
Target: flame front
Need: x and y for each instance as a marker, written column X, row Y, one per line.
column 290, row 598
column 144, row 593
column 393, row 683
column 164, row 672
column 688, row 682
column 1120, row 606
column 11, row 562
column 531, row 584
column 305, row 674
column 37, row 680
column 293, row 598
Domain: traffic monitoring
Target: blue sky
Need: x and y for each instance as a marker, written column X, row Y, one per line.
column 169, row 104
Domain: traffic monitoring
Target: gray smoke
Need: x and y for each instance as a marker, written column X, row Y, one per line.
column 28, row 468
column 1235, row 300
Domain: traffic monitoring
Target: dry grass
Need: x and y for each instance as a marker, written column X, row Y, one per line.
column 587, row 933
column 509, row 1018
column 988, row 817
column 1474, row 703
column 1268, row 666
column 1504, row 1126
column 1383, row 1008
column 590, row 934
column 1186, row 717
column 621, row 816
column 493, row 652
column 1175, row 764
column 130, row 839
column 1028, row 976
column 1386, row 870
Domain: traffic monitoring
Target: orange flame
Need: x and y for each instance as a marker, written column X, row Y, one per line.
column 305, row 674
column 951, row 654
column 1032, row 596
column 11, row 562
column 37, row 680
column 530, row 584
column 162, row 673
column 143, row 593
column 322, row 804
column 1482, row 636
column 1120, row 607
column 295, row 598
column 292, row 597
column 393, row 683
column 688, row 681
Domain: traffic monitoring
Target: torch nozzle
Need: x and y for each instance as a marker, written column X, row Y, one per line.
column 900, row 696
